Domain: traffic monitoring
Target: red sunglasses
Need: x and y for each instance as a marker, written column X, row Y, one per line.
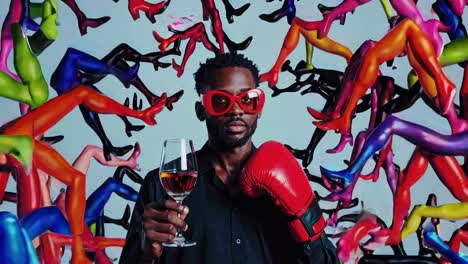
column 217, row 102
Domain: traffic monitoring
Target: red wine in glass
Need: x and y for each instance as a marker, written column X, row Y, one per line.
column 178, row 175
column 178, row 184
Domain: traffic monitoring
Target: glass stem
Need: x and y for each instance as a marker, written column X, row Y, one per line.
column 178, row 231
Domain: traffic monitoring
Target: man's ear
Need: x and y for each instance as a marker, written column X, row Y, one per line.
column 200, row 111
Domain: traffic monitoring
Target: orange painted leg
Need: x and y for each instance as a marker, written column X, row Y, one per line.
column 50, row 161
column 405, row 34
column 290, row 43
column 38, row 121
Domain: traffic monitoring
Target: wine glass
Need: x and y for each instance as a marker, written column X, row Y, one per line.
column 178, row 175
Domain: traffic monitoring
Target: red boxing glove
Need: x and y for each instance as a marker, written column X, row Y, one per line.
column 273, row 169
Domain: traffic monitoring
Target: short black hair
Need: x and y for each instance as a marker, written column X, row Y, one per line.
column 223, row 60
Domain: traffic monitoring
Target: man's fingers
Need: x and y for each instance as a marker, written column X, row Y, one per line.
column 156, row 248
column 168, row 205
column 168, row 217
column 173, row 205
column 165, row 228
column 153, row 236
column 172, row 218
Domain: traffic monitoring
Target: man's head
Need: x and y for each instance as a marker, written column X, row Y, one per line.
column 229, row 101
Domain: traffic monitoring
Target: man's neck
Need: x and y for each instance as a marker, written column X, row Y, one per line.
column 228, row 163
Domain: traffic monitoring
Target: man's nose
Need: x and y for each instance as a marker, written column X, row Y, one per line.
column 236, row 110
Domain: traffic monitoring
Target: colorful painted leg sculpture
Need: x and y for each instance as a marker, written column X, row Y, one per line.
column 385, row 90
column 309, row 54
column 94, row 211
column 458, row 6
column 97, row 200
column 211, row 12
column 44, row 219
column 83, row 21
column 458, row 237
column 92, row 152
column 290, row 43
column 15, row 245
column 405, row 34
column 422, row 137
column 32, row 89
column 6, row 41
column 328, row 86
column 448, row 17
column 446, row 167
column 404, row 8
column 123, row 222
column 150, row 10
column 195, row 34
column 20, row 147
column 50, row 161
column 47, row 11
column 82, row 164
column 453, row 211
column 69, row 74
column 348, row 245
column 371, row 219
column 434, row 241
column 123, row 53
column 118, row 58
column 346, row 84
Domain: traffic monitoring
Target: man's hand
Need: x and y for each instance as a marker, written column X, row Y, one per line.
column 160, row 221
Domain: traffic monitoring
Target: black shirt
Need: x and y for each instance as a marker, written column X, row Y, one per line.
column 228, row 229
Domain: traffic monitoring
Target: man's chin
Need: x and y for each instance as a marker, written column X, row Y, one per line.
column 231, row 140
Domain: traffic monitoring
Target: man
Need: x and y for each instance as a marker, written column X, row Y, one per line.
column 283, row 224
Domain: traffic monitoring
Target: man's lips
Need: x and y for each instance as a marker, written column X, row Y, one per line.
column 235, row 127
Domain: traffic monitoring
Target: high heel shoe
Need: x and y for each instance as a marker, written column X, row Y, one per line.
column 231, row 11
column 340, row 179
column 271, row 77
column 344, row 139
column 84, row 23
column 173, row 99
column 121, row 171
column 123, row 221
column 179, row 69
column 116, row 151
column 318, row 115
column 150, row 113
column 339, row 125
column 233, row 46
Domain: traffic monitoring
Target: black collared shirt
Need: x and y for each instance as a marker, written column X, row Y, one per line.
column 228, row 229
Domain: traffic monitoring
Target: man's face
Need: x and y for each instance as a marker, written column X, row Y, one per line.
column 234, row 128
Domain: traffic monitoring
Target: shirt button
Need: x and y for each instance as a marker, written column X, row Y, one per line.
column 238, row 241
